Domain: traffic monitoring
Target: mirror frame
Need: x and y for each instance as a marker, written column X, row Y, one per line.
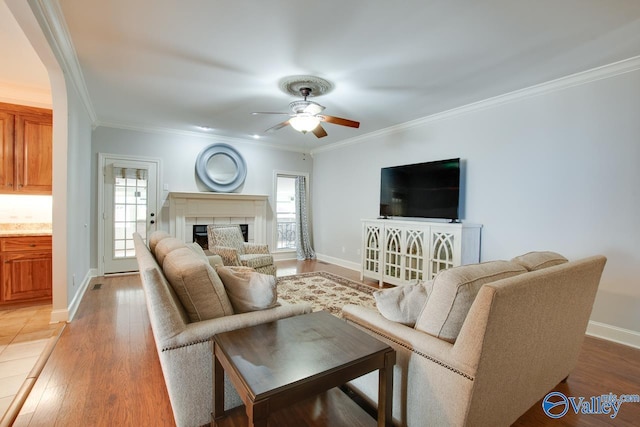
column 205, row 175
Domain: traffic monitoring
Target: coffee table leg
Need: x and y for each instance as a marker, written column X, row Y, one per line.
column 218, row 386
column 385, row 391
column 258, row 413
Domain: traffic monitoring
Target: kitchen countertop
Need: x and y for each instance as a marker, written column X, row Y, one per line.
column 24, row 233
column 25, row 230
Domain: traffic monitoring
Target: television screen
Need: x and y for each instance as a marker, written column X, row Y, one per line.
column 422, row 190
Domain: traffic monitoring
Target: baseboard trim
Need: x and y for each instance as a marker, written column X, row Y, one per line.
column 284, row 256
column 613, row 333
column 337, row 261
column 66, row 315
column 58, row 316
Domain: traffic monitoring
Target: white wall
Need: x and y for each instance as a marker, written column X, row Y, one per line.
column 79, row 194
column 557, row 171
column 178, row 154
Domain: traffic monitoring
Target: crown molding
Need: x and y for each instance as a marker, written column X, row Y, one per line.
column 51, row 19
column 577, row 79
column 213, row 137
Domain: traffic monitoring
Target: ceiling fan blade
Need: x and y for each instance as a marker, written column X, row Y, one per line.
column 339, row 121
column 276, row 127
column 319, row 131
column 267, row 112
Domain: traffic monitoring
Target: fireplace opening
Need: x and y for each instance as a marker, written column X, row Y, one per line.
column 200, row 234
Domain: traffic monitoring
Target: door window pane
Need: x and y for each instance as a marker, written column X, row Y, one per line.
column 286, row 212
column 130, row 209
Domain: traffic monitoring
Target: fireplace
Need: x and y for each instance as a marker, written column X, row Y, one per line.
column 187, row 209
column 201, row 237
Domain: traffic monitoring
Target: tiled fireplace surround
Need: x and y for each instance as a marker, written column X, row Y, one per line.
column 187, row 209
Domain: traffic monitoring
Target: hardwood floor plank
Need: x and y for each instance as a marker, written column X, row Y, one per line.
column 105, row 369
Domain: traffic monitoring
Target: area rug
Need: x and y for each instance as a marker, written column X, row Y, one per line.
column 324, row 291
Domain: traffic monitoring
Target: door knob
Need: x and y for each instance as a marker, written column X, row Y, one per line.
column 152, row 214
column 152, row 222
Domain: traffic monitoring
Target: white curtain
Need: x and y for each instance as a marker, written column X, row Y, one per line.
column 303, row 238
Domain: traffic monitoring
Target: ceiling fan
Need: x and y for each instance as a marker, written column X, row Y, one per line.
column 305, row 117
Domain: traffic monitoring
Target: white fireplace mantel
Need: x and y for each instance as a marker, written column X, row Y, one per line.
column 183, row 205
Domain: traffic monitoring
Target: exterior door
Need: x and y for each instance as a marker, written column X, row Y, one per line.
column 130, row 205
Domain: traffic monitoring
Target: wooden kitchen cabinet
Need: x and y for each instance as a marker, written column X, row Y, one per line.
column 26, row 149
column 25, row 269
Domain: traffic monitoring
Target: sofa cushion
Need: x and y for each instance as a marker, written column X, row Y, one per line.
column 197, row 285
column 213, row 260
column 155, row 237
column 453, row 293
column 403, row 304
column 256, row 260
column 538, row 260
column 165, row 246
column 247, row 289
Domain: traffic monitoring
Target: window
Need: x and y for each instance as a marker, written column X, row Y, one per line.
column 286, row 212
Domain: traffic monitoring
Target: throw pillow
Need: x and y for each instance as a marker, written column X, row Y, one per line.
column 538, row 260
column 197, row 285
column 248, row 290
column 453, row 293
column 402, row 304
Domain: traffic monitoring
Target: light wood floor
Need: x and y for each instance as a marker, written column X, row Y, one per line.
column 105, row 369
column 24, row 334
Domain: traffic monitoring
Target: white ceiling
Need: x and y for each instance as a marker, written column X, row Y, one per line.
column 183, row 64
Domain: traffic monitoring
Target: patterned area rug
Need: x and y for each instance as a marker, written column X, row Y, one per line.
column 325, row 291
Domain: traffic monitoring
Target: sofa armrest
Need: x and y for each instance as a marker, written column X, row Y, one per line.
column 228, row 254
column 255, row 248
column 202, row 331
column 429, row 347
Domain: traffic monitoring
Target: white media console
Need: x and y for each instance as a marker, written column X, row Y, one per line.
column 401, row 252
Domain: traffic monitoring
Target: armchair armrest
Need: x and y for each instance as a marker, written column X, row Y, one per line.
column 228, row 254
column 434, row 349
column 255, row 248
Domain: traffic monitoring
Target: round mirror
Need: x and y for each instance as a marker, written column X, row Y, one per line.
column 221, row 168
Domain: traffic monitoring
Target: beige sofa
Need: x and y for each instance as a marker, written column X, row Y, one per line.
column 185, row 346
column 520, row 338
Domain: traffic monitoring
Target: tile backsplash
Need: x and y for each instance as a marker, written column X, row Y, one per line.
column 22, row 209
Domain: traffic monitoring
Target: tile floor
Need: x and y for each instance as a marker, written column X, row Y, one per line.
column 24, row 334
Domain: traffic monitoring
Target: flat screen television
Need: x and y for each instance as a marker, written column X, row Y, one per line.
column 421, row 190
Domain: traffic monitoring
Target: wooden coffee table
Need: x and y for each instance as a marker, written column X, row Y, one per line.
column 275, row 365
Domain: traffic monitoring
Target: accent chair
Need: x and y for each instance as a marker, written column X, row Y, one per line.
column 227, row 242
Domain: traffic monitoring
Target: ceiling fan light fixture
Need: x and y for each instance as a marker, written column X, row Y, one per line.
column 304, row 123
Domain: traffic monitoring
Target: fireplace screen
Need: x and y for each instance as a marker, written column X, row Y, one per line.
column 201, row 238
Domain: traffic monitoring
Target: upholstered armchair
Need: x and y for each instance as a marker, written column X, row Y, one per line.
column 227, row 242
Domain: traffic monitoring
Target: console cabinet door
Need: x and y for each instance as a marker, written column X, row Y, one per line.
column 416, row 247
column 445, row 250
column 405, row 250
column 372, row 251
column 26, row 276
